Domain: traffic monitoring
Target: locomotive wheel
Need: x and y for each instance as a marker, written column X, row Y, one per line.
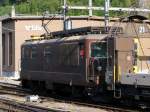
column 77, row 92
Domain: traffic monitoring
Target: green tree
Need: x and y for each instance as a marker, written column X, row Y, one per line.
column 53, row 6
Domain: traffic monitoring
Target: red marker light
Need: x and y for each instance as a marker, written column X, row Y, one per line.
column 81, row 52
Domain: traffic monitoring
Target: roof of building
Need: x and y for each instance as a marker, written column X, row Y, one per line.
column 28, row 17
column 60, row 17
column 36, row 17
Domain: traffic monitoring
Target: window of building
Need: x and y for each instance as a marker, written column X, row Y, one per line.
column 10, row 48
column 4, row 48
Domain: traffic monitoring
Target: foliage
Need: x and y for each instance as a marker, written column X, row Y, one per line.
column 54, row 6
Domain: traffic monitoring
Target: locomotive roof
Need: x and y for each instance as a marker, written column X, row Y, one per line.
column 71, row 38
column 84, row 31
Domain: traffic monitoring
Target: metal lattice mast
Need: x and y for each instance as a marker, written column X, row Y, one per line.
column 90, row 8
column 64, row 14
column 106, row 9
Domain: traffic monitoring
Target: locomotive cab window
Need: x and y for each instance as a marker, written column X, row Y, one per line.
column 99, row 49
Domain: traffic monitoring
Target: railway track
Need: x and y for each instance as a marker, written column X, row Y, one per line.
column 15, row 106
column 33, row 108
column 107, row 107
column 12, row 89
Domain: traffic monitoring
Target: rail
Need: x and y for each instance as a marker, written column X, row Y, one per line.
column 13, row 104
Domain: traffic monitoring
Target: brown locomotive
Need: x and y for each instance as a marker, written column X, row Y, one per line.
column 79, row 61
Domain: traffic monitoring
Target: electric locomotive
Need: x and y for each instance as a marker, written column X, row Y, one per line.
column 89, row 60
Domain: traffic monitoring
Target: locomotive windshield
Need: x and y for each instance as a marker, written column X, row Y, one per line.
column 98, row 49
